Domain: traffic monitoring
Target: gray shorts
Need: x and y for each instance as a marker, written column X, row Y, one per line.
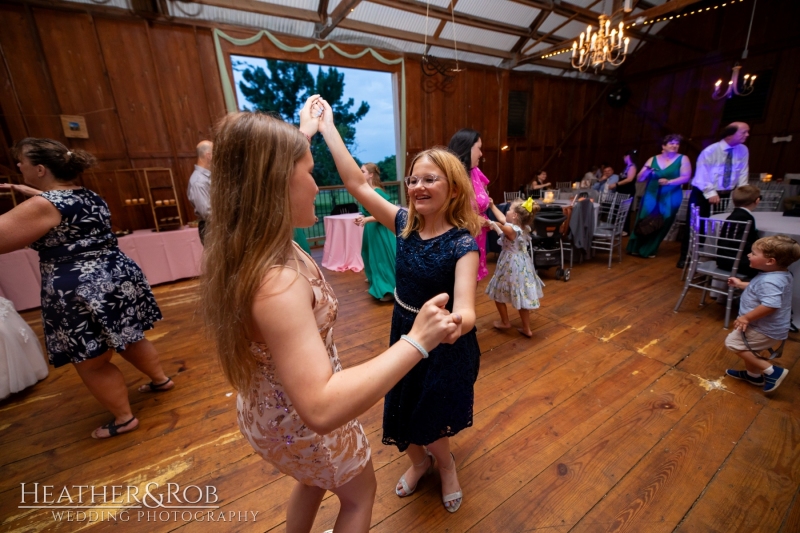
column 758, row 341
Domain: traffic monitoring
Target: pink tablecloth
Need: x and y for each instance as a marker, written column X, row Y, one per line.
column 163, row 257
column 343, row 243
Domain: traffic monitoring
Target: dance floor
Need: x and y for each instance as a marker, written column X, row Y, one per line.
column 614, row 416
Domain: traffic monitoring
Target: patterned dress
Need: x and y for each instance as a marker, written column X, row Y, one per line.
column 94, row 298
column 515, row 281
column 658, row 199
column 269, row 421
column 435, row 398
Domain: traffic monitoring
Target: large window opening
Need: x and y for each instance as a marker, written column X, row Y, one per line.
column 364, row 106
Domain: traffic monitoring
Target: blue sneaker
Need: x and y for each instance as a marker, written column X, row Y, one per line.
column 744, row 376
column 773, row 382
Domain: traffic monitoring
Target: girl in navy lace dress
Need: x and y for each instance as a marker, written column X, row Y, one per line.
column 436, row 253
column 94, row 298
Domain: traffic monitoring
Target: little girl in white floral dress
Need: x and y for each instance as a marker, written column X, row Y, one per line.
column 22, row 363
column 515, row 281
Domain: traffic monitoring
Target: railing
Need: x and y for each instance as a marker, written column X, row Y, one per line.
column 332, row 198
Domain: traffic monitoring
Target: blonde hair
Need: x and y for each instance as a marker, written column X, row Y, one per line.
column 373, row 169
column 250, row 229
column 525, row 217
column 457, row 211
column 784, row 250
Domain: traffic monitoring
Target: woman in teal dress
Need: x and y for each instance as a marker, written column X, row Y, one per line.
column 664, row 174
column 379, row 245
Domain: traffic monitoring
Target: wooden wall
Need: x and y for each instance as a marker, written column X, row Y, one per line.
column 149, row 92
column 671, row 85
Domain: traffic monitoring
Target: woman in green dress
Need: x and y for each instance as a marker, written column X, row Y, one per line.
column 664, row 174
column 379, row 245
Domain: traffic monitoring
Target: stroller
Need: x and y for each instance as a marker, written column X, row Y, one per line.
column 547, row 241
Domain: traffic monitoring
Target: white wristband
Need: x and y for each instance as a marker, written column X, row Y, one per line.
column 416, row 345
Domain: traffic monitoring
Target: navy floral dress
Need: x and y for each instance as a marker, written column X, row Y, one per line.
column 94, row 297
column 435, row 398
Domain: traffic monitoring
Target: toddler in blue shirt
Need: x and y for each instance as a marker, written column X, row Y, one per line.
column 765, row 311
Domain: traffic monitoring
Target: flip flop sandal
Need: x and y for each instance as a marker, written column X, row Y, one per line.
column 114, row 429
column 155, row 387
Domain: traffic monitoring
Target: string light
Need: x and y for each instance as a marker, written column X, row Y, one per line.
column 684, row 15
column 654, row 21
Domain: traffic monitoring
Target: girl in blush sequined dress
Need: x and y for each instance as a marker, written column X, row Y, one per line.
column 436, row 251
column 515, row 281
column 272, row 316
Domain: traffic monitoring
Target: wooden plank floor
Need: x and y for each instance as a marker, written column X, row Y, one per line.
column 614, row 417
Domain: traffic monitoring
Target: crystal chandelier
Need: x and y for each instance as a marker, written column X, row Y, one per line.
column 601, row 47
column 734, row 88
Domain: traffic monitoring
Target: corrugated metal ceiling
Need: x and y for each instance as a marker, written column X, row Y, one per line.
column 242, row 18
column 482, row 25
column 311, row 5
column 393, row 18
column 570, row 30
column 449, row 53
column 504, row 11
column 481, row 37
column 385, row 43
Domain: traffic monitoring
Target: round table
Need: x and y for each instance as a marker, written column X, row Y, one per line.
column 342, row 249
column 774, row 223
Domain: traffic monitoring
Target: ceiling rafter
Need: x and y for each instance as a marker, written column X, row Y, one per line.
column 322, row 11
column 443, row 22
column 263, row 8
column 581, row 14
column 567, row 21
column 344, row 8
column 663, row 9
column 532, row 30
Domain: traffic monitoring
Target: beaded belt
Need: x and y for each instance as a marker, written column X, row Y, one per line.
column 404, row 305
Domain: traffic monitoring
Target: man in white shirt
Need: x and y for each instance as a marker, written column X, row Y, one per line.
column 606, row 178
column 721, row 167
column 199, row 185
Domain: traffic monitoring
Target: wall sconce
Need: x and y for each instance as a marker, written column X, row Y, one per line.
column 505, row 148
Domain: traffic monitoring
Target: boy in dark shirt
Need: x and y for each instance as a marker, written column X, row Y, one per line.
column 746, row 199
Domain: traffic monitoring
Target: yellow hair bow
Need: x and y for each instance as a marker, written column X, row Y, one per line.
column 528, row 204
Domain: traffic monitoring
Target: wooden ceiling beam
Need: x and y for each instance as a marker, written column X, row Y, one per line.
column 443, row 22
column 663, row 9
column 322, row 11
column 344, row 8
column 263, row 8
column 533, row 29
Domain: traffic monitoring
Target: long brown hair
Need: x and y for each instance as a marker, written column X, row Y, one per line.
column 373, row 169
column 250, row 229
column 458, row 211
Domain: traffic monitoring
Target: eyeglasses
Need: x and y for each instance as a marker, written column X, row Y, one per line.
column 416, row 181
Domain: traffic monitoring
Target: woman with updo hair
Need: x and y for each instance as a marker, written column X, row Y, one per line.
column 94, row 298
